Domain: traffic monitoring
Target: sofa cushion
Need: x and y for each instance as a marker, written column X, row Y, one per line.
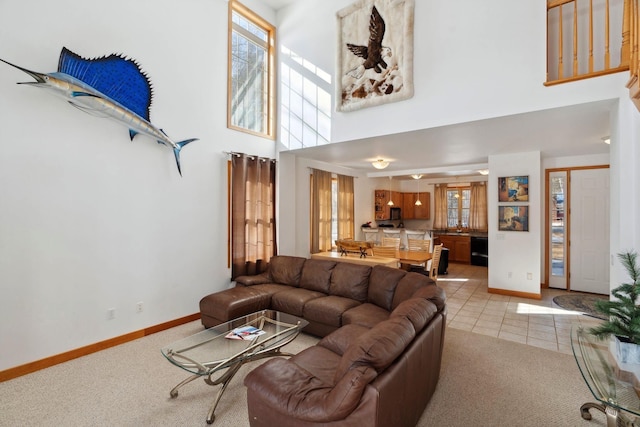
column 299, row 394
column 328, row 310
column 292, row 301
column 319, row 361
column 382, row 285
column 418, row 310
column 339, row 340
column 366, row 314
column 350, row 281
column 316, row 275
column 233, row 303
column 270, row 288
column 378, row 347
column 286, row 270
column 407, row 286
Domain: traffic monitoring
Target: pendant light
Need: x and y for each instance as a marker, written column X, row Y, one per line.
column 390, row 202
column 417, row 177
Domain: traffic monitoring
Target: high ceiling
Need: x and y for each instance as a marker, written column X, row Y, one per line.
column 464, row 148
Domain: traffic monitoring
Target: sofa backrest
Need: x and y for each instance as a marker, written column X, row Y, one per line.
column 316, row 275
column 382, row 285
column 350, row 281
column 417, row 310
column 378, row 347
column 408, row 286
column 286, row 270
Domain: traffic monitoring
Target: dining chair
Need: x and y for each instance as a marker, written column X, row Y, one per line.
column 385, row 251
column 419, row 245
column 391, row 241
column 435, row 261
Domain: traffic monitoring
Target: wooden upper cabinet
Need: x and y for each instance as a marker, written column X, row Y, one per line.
column 405, row 201
column 381, row 209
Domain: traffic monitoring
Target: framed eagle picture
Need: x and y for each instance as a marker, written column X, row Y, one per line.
column 375, row 53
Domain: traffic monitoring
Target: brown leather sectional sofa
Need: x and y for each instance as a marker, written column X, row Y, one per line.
column 379, row 361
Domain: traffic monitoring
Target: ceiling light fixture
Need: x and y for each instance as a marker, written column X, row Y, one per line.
column 390, row 202
column 417, row 176
column 606, row 140
column 380, row 164
column 483, row 171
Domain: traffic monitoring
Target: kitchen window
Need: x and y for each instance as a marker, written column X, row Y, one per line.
column 251, row 94
column 458, row 207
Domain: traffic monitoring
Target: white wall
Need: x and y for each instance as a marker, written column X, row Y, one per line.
column 89, row 220
column 472, row 60
column 515, row 255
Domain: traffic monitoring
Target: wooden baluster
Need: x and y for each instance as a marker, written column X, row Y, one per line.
column 575, row 38
column 590, row 36
column 560, row 53
column 626, row 32
column 607, row 55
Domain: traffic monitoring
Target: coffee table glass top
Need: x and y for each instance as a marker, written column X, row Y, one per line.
column 598, row 371
column 215, row 348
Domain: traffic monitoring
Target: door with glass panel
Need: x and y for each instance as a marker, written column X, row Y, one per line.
column 557, row 229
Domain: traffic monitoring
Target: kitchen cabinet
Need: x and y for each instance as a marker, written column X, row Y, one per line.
column 382, row 210
column 405, row 201
column 459, row 247
column 409, row 208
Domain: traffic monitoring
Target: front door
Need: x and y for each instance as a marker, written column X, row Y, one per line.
column 589, row 231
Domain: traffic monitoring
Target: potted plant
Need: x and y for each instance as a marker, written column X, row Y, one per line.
column 623, row 313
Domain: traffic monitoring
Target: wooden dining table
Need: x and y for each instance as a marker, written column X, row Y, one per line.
column 413, row 257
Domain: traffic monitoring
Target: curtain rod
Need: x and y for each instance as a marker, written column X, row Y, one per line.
column 250, row 156
column 344, row 174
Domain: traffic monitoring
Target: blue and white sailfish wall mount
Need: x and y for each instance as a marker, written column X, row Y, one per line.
column 110, row 86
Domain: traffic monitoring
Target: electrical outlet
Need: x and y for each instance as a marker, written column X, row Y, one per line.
column 529, row 276
column 111, row 313
column 139, row 307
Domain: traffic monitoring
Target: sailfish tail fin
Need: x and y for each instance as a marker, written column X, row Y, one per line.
column 176, row 151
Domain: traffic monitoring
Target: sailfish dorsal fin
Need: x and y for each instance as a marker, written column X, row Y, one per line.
column 117, row 77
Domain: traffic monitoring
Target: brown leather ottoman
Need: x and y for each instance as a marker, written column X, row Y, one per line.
column 232, row 303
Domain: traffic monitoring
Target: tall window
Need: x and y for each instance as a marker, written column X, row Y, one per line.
column 331, row 210
column 458, row 204
column 251, row 95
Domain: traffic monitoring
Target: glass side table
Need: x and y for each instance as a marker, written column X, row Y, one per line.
column 616, row 398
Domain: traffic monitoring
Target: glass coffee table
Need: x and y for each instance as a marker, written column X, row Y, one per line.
column 217, row 353
column 616, row 397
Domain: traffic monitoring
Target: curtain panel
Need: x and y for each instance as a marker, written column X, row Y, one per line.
column 440, row 207
column 478, row 210
column 253, row 220
column 345, row 207
column 320, row 211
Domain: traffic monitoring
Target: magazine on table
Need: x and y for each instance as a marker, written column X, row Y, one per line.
column 244, row 333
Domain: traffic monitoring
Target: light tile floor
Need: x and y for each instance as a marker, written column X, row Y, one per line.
column 540, row 323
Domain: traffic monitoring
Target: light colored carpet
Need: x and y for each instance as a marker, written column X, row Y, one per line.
column 484, row 381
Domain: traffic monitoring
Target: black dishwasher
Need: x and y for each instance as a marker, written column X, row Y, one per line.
column 479, row 251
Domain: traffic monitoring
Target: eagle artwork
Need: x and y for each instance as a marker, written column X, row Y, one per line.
column 376, row 73
column 374, row 54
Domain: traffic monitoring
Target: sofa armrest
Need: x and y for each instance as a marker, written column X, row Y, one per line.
column 293, row 391
column 435, row 294
column 258, row 279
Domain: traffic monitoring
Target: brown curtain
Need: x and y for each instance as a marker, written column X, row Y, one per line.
column 253, row 220
column 440, row 207
column 478, row 207
column 320, row 211
column 345, row 207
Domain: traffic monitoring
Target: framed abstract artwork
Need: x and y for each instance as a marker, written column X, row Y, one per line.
column 513, row 218
column 375, row 53
column 513, row 189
